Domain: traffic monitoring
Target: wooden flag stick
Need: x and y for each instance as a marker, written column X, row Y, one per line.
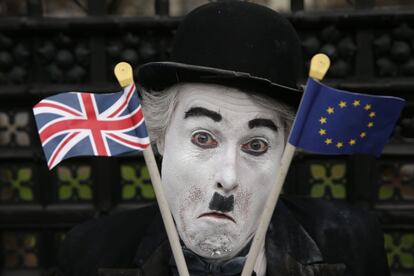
column 123, row 72
column 319, row 66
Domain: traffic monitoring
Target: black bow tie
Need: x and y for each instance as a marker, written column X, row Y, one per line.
column 198, row 267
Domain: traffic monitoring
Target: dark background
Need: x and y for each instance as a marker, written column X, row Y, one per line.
column 51, row 46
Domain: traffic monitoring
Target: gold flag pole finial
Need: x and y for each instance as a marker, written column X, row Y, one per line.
column 319, row 66
column 123, row 72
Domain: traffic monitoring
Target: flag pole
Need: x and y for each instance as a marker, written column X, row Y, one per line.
column 123, row 72
column 319, row 66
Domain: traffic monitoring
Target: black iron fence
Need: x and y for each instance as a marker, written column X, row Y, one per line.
column 371, row 51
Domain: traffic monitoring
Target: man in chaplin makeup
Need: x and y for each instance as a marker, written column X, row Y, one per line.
column 219, row 114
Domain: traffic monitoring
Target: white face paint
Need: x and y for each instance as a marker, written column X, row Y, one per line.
column 210, row 147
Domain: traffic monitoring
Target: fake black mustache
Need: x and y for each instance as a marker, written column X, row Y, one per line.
column 221, row 203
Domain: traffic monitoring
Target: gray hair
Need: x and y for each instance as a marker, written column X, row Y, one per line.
column 159, row 106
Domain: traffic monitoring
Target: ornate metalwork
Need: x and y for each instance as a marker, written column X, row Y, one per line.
column 404, row 131
column 338, row 44
column 396, row 182
column 20, row 250
column 327, row 180
column 137, row 48
column 136, row 183
column 66, row 58
column 400, row 251
column 16, row 184
column 393, row 51
column 74, row 183
column 15, row 60
column 15, row 129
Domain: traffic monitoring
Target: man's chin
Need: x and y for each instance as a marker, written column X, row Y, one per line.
column 213, row 243
column 215, row 247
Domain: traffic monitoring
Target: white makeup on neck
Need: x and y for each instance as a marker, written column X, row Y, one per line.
column 220, row 157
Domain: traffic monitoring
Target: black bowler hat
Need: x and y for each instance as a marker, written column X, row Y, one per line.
column 233, row 43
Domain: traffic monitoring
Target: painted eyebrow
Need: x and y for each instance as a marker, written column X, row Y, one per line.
column 259, row 122
column 201, row 111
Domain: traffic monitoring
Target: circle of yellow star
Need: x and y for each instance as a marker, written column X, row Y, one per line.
column 352, row 142
column 362, row 135
column 342, row 104
column 356, row 103
column 372, row 114
column 323, row 120
column 322, row 131
column 367, row 107
column 370, row 124
column 328, row 141
column 339, row 145
column 330, row 110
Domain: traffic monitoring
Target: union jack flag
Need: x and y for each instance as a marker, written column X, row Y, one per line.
column 76, row 123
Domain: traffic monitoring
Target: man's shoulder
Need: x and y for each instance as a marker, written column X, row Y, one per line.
column 339, row 209
column 343, row 233
column 109, row 241
column 322, row 215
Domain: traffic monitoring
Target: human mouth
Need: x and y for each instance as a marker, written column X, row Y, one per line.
column 217, row 216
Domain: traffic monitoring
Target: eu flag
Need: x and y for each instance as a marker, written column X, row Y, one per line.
column 332, row 121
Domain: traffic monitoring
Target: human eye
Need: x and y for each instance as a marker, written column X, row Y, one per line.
column 203, row 139
column 255, row 146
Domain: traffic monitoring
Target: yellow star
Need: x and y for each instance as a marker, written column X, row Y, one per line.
column 362, row 135
column 370, row 124
column 339, row 145
column 342, row 104
column 367, row 107
column 330, row 110
column 352, row 142
column 328, row 141
column 356, row 103
column 322, row 131
column 372, row 114
column 323, row 120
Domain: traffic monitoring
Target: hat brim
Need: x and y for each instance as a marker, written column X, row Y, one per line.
column 156, row 76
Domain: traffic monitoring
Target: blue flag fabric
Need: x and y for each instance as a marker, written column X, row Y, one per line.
column 332, row 121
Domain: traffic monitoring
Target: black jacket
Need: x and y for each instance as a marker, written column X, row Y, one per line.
column 306, row 237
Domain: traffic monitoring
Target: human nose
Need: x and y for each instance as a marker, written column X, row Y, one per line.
column 227, row 172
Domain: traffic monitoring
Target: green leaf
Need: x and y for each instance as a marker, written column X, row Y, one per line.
column 386, row 192
column 65, row 192
column 407, row 241
column 318, row 171
column 338, row 171
column 24, row 174
column 388, row 241
column 128, row 173
column 148, row 191
column 83, row 173
column 26, row 193
column 128, row 191
column 64, row 174
column 338, row 191
column 85, row 192
column 407, row 260
column 318, row 190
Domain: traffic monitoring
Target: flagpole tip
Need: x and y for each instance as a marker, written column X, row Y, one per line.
column 123, row 72
column 319, row 66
